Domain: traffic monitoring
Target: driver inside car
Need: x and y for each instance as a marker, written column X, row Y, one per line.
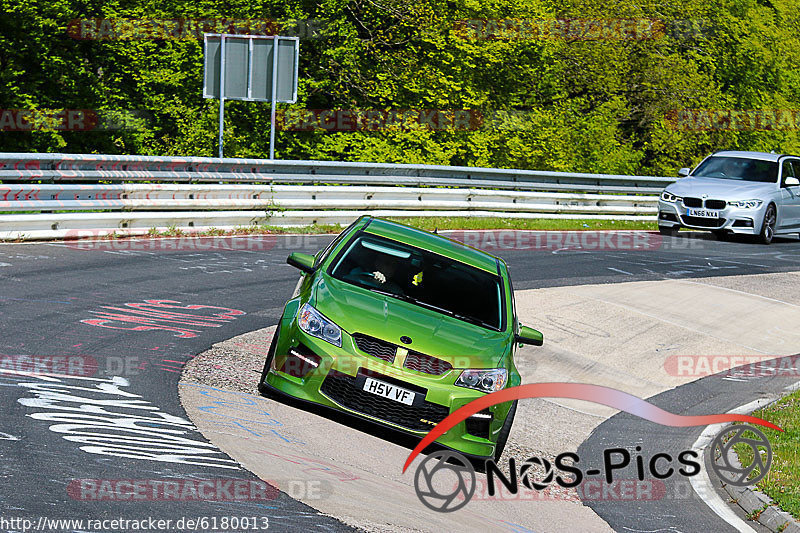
column 383, row 274
column 730, row 169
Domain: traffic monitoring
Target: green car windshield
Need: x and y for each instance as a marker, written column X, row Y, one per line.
column 423, row 278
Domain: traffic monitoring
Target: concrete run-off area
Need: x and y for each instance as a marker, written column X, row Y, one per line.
column 642, row 337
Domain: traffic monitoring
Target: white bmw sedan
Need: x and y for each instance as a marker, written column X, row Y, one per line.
column 754, row 193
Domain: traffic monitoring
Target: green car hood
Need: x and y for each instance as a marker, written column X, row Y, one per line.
column 358, row 310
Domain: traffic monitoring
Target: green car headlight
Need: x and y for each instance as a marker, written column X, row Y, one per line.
column 312, row 322
column 491, row 380
column 747, row 204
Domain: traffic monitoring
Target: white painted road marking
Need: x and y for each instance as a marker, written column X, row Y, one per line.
column 701, row 483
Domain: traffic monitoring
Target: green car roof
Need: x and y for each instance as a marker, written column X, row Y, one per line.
column 434, row 243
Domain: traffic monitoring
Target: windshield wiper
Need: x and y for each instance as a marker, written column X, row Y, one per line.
column 404, row 297
column 384, row 293
column 472, row 320
column 444, row 311
column 422, row 303
column 449, row 312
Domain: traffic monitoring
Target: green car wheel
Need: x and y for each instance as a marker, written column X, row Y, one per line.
column 502, row 438
column 270, row 356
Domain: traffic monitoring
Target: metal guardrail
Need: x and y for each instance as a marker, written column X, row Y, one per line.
column 200, row 193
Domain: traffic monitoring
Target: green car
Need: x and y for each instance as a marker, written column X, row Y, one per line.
column 401, row 327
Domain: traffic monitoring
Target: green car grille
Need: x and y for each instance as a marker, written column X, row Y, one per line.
column 414, row 360
column 344, row 390
column 375, row 347
column 427, row 364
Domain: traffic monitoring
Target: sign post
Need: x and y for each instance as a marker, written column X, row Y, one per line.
column 252, row 68
column 274, row 96
column 221, row 93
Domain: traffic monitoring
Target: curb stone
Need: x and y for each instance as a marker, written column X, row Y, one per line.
column 752, row 501
column 772, row 517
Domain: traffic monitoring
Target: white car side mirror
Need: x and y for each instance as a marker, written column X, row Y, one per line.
column 684, row 172
column 791, row 182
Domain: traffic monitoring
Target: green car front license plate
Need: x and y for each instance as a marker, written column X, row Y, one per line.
column 386, row 390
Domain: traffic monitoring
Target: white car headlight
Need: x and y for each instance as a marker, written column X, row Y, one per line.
column 747, row 204
column 491, row 380
column 312, row 322
column 669, row 197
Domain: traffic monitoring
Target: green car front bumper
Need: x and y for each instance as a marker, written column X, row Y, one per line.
column 313, row 370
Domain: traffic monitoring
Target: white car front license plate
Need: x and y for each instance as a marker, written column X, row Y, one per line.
column 386, row 390
column 703, row 213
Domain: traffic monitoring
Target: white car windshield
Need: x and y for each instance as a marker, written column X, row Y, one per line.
column 738, row 168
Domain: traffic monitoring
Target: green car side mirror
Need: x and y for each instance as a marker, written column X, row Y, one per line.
column 529, row 336
column 302, row 261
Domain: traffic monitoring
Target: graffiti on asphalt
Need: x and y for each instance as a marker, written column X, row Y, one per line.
column 184, row 321
column 241, row 412
column 7, row 436
column 104, row 418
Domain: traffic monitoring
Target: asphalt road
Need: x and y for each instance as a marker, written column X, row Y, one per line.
column 689, row 255
column 674, row 506
column 47, row 290
column 123, row 309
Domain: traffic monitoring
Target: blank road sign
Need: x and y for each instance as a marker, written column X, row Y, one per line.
column 248, row 67
column 237, row 59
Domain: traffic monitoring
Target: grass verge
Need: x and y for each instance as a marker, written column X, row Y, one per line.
column 241, row 230
column 444, row 223
column 782, row 483
column 552, row 224
column 424, row 223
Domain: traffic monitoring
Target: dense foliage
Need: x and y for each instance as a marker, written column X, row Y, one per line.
column 563, row 101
